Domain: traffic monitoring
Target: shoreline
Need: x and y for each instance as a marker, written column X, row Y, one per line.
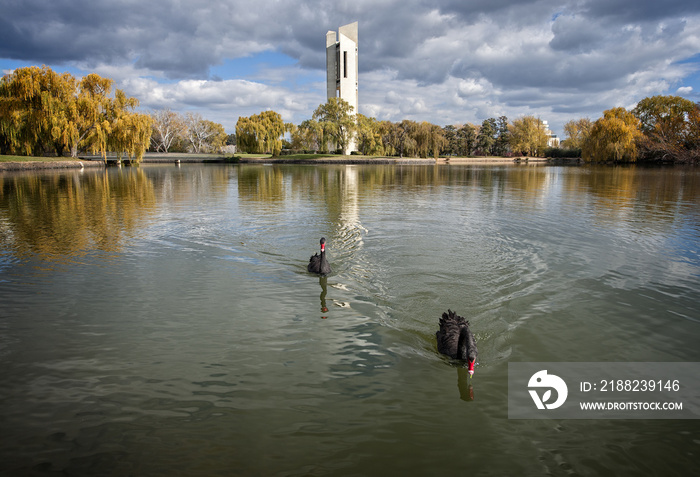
column 174, row 158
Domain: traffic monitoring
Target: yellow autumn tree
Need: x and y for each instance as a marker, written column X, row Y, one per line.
column 88, row 125
column 260, row 133
column 576, row 133
column 33, row 110
column 429, row 139
column 42, row 111
column 130, row 132
column 613, row 137
column 528, row 136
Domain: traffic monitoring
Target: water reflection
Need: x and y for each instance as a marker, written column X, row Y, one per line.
column 261, row 183
column 323, row 281
column 71, row 213
column 346, row 189
column 57, row 215
column 464, row 384
column 67, row 214
column 209, row 331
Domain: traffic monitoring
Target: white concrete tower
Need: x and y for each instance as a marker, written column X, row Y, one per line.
column 341, row 68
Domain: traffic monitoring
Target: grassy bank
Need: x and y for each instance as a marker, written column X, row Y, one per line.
column 29, row 162
column 34, row 159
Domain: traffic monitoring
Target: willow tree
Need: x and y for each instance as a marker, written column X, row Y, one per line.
column 528, row 136
column 386, row 133
column 88, row 125
column 42, row 110
column 613, row 137
column 429, row 139
column 260, row 133
column 33, row 109
column 308, row 136
column 402, row 137
column 368, row 135
column 129, row 132
column 338, row 121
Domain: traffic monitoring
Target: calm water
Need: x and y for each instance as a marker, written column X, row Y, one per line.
column 160, row 320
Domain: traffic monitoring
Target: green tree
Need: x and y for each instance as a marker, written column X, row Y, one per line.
column 467, row 140
column 421, row 134
column 401, row 137
column 668, row 126
column 486, row 138
column 338, row 122
column 502, row 142
column 694, row 136
column 449, row 132
column 613, row 137
column 528, row 136
column 429, row 139
column 308, row 136
column 459, row 140
column 368, row 137
column 387, row 133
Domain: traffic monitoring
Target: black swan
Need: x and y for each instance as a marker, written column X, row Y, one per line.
column 318, row 263
column 455, row 339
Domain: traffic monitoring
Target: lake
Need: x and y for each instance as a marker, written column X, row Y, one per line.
column 159, row 320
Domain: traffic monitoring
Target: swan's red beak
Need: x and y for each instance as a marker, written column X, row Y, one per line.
column 323, row 247
column 471, row 368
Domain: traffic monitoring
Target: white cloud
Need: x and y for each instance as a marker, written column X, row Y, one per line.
column 222, row 101
column 473, row 87
column 442, row 61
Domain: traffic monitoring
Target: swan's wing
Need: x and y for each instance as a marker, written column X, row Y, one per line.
column 314, row 263
column 447, row 337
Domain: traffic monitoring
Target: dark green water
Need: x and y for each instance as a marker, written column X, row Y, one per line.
column 160, row 320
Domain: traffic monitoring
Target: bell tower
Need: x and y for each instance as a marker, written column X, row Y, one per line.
column 341, row 68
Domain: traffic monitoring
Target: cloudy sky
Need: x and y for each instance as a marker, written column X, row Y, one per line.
column 443, row 61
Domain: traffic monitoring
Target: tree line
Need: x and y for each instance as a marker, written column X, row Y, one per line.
column 333, row 125
column 43, row 112
column 658, row 128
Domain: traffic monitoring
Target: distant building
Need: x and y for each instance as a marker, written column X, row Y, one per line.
column 341, row 68
column 552, row 139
